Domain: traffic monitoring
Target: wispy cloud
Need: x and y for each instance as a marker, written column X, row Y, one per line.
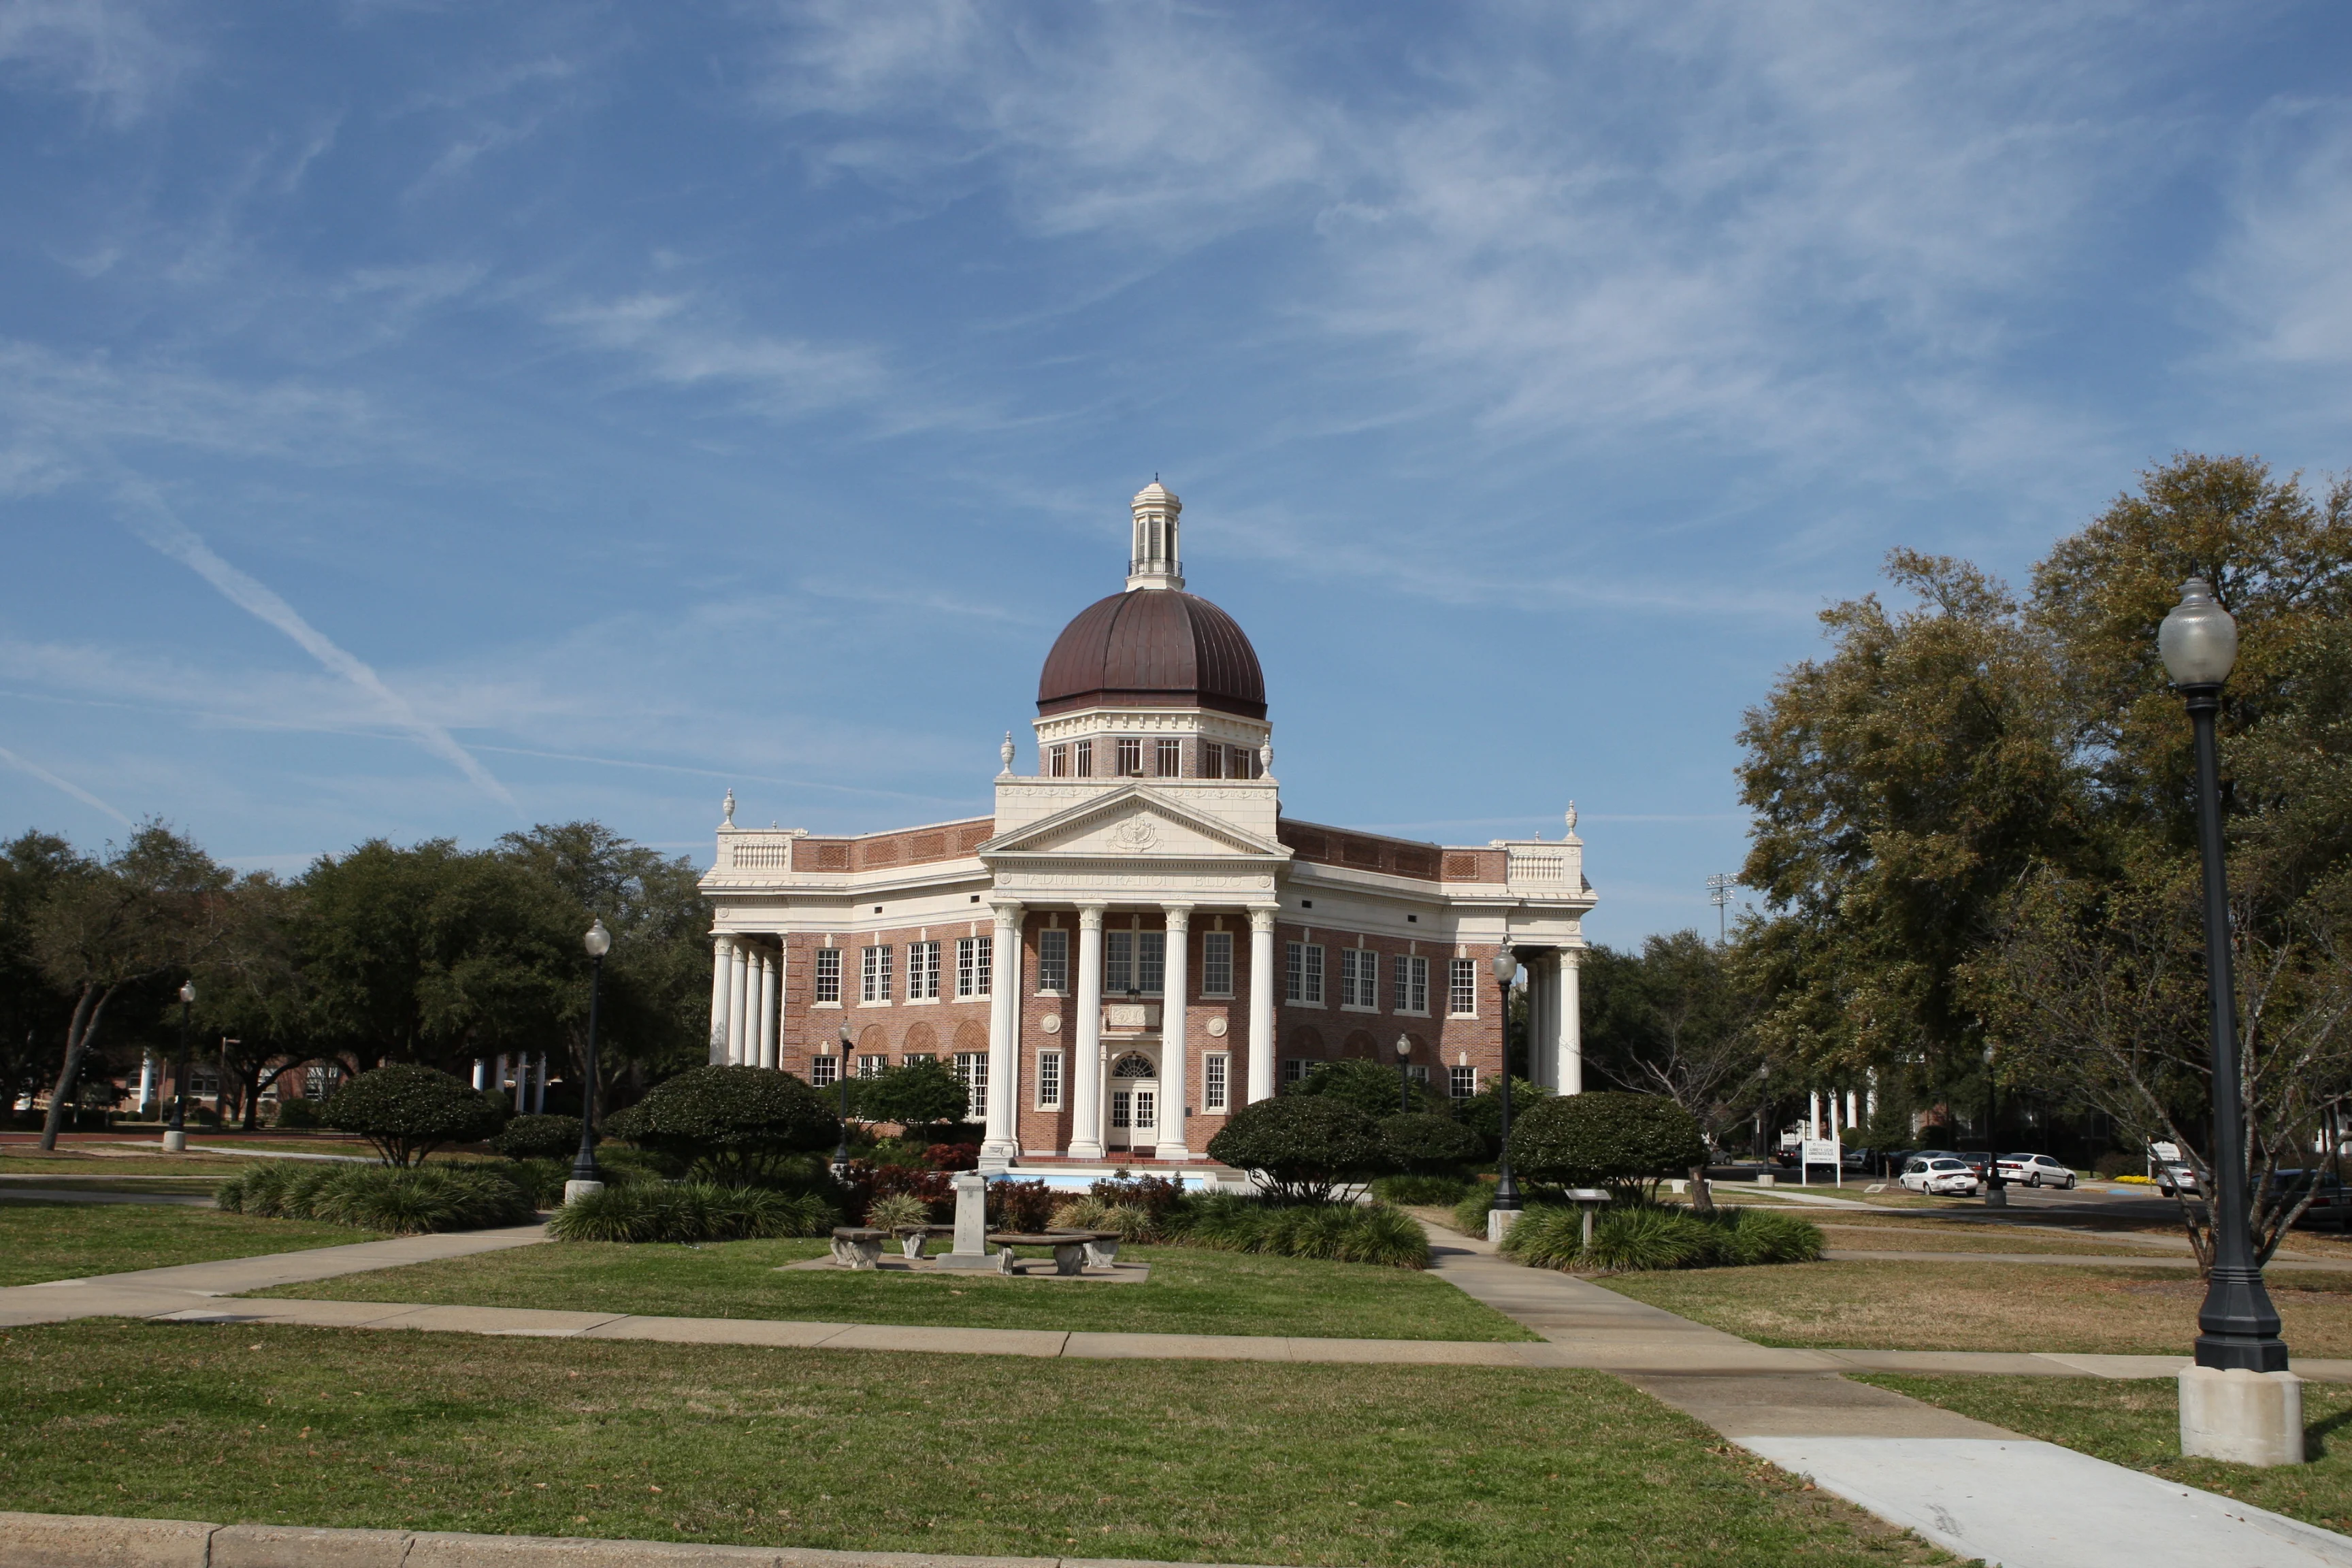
column 2284, row 273
column 64, row 785
column 680, row 342
column 155, row 522
column 110, row 52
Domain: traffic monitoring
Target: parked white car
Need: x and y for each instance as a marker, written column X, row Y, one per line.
column 1940, row 1176
column 2035, row 1171
column 2172, row 1180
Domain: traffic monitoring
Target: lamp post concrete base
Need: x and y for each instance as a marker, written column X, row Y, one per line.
column 574, row 1191
column 176, row 1142
column 1499, row 1223
column 2245, row 1417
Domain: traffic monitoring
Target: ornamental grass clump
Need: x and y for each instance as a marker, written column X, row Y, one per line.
column 1129, row 1222
column 1643, row 1237
column 401, row 1201
column 690, row 1213
column 1340, row 1233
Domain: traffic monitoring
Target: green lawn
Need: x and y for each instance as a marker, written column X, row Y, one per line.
column 1975, row 1306
column 2138, row 1424
column 1190, row 1291
column 1181, row 1461
column 68, row 1241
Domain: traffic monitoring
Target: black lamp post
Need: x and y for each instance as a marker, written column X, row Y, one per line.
column 175, row 1131
column 598, row 941
column 1506, row 1190
column 840, row 1150
column 1404, row 1072
column 2238, row 1326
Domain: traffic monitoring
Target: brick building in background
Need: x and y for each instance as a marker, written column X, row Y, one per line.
column 1139, row 940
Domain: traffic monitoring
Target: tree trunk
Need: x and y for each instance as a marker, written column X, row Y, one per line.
column 1702, row 1196
column 79, row 1034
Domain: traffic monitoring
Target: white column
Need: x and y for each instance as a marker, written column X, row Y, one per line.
column 1870, row 1101
column 1173, row 1046
column 1850, row 1117
column 1086, row 1085
column 719, row 992
column 739, row 1000
column 146, row 1081
column 481, row 1074
column 1003, row 1145
column 539, row 1089
column 1263, row 981
column 1813, row 1113
column 767, row 1009
column 498, row 1081
column 1571, row 1023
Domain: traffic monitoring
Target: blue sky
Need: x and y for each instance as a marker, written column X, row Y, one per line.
column 430, row 419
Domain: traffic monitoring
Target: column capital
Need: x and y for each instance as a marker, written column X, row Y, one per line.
column 1090, row 917
column 1180, row 916
column 1008, row 911
column 1263, row 919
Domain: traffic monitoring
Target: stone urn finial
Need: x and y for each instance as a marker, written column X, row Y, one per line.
column 1571, row 819
column 1265, row 759
column 728, row 820
column 1005, row 752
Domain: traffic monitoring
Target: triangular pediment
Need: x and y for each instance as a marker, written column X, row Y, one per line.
column 1134, row 823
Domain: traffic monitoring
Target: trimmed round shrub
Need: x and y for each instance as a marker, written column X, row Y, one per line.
column 734, row 1124
column 1301, row 1147
column 540, row 1137
column 401, row 1200
column 1483, row 1112
column 918, row 1094
column 1439, row 1191
column 1424, row 1144
column 690, row 1211
column 1622, row 1142
column 406, row 1111
column 1374, row 1088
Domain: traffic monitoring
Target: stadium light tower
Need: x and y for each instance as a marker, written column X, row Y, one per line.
column 1718, row 893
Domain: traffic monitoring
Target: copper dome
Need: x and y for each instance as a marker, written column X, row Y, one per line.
column 1152, row 647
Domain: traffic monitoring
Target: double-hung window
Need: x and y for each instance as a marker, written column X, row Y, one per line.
column 971, row 1071
column 1049, row 1080
column 1462, row 987
column 828, row 974
column 973, row 956
column 1302, row 978
column 1086, row 756
column 1461, row 1082
column 1054, row 960
column 1134, row 961
column 1057, row 762
column 1130, row 757
column 1217, row 963
column 1169, row 759
column 871, row 1067
column 824, row 1071
column 1216, row 1071
column 1359, row 974
column 922, row 972
column 1412, row 985
column 1295, row 1067
column 1213, row 760
column 873, row 975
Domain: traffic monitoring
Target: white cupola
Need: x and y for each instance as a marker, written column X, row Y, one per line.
column 1153, row 561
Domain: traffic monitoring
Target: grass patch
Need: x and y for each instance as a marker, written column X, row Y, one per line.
column 1931, row 1235
column 1989, row 1307
column 71, row 1241
column 200, row 1185
column 1190, row 1291
column 64, row 1161
column 1434, row 1467
column 2138, row 1423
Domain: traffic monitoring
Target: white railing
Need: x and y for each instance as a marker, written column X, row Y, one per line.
column 1539, row 866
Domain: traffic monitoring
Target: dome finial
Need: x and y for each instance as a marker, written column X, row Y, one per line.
column 1153, row 560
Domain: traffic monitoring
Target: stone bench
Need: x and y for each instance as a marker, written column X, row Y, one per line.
column 858, row 1246
column 913, row 1238
column 1070, row 1247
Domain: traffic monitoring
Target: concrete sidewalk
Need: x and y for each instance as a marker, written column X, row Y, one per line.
column 1972, row 1488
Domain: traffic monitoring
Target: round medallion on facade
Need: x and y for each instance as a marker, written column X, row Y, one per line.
column 1053, row 1024
column 1216, row 1028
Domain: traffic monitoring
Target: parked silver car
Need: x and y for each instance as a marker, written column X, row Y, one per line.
column 1941, row 1176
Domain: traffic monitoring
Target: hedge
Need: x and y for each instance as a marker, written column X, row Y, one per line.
column 736, row 1124
column 402, row 1200
column 1625, row 1143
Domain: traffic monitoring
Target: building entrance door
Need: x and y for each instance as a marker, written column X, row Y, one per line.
column 1132, row 1125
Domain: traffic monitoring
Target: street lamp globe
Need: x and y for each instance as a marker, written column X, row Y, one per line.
column 1403, row 1046
column 187, row 990
column 1506, row 965
column 2198, row 640
column 598, row 941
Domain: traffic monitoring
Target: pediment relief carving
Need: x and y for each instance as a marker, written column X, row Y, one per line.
column 1132, row 824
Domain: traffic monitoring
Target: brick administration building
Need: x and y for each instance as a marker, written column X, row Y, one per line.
column 1139, row 940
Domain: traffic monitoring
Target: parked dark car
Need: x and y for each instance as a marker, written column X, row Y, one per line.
column 2331, row 1202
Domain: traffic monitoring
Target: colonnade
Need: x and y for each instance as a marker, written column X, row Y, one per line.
column 747, row 982
column 528, row 1085
column 1555, row 1020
